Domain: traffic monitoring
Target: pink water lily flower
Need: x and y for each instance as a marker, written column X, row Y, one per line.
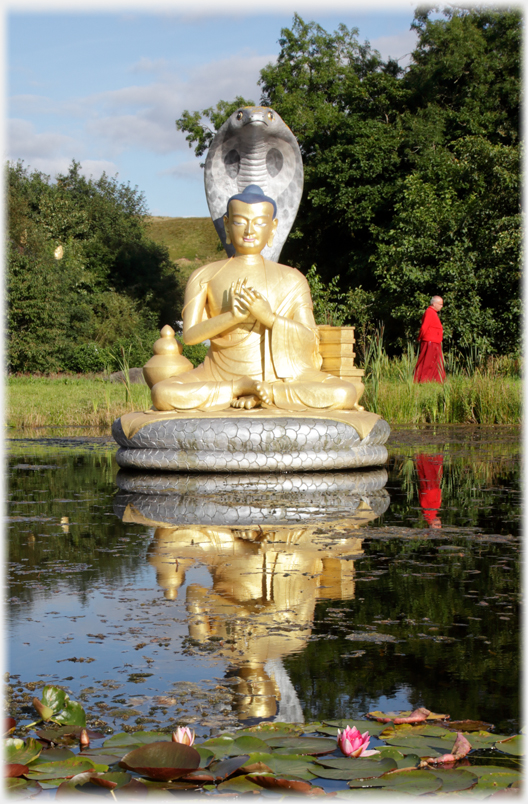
column 183, row 735
column 354, row 744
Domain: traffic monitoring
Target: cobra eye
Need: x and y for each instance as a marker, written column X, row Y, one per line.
column 270, row 115
column 240, row 115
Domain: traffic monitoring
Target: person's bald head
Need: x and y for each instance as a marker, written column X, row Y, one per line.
column 437, row 303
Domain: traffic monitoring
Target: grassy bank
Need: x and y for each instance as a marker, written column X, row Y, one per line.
column 186, row 238
column 92, row 401
column 460, row 400
column 70, row 400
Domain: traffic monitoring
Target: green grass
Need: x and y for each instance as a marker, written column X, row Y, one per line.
column 70, row 400
column 192, row 239
column 460, row 400
column 75, row 400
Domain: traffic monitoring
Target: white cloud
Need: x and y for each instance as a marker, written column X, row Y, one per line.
column 398, row 46
column 144, row 116
column 145, row 65
column 185, row 170
column 94, row 168
column 90, row 168
column 31, row 104
column 25, row 143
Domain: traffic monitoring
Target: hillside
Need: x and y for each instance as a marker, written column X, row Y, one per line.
column 192, row 239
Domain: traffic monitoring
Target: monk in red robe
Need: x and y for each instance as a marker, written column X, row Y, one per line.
column 430, row 470
column 430, row 364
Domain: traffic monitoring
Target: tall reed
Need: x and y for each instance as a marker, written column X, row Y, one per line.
column 477, row 390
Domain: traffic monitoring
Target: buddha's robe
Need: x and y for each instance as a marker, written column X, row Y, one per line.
column 430, row 363
column 286, row 355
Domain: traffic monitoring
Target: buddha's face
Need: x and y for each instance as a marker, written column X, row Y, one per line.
column 249, row 227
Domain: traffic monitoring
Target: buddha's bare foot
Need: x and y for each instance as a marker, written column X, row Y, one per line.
column 265, row 392
column 247, row 402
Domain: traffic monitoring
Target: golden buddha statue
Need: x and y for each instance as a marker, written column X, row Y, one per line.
column 258, row 316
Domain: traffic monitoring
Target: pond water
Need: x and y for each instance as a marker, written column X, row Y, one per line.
column 222, row 601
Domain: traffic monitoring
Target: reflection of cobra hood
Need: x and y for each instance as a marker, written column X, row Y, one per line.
column 255, row 146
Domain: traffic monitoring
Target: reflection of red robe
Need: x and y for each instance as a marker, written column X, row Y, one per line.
column 430, row 470
column 430, row 365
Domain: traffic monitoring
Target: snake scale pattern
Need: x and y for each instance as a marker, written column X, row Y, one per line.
column 255, row 146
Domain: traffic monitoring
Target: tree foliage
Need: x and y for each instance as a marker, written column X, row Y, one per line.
column 203, row 134
column 83, row 279
column 412, row 183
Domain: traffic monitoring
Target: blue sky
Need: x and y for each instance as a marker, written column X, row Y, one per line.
column 105, row 88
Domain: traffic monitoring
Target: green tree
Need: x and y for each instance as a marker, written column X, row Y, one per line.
column 411, row 176
column 341, row 100
column 455, row 228
column 201, row 133
column 456, row 231
column 108, row 286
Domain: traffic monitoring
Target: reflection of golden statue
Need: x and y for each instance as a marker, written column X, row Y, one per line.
column 260, row 608
column 258, row 316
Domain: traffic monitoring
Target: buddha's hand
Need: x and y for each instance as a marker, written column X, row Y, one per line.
column 239, row 309
column 258, row 306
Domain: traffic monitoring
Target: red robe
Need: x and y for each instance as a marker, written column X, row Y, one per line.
column 430, row 364
column 430, row 470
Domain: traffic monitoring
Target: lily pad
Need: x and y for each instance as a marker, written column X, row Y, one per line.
column 14, row 769
column 9, row 724
column 418, row 730
column 343, row 763
column 468, row 725
column 137, row 738
column 415, row 782
column 511, row 745
column 72, row 715
column 283, row 783
column 373, row 728
column 424, row 748
column 219, row 746
column 135, row 788
column 494, row 781
column 455, row 779
column 354, row 769
column 205, row 755
column 21, row 752
column 68, row 787
column 221, row 770
column 266, row 731
column 297, row 764
column 367, row 793
column 67, row 733
column 61, row 769
column 387, row 717
column 111, row 780
column 239, row 784
column 162, row 760
column 483, row 770
column 54, row 697
column 314, row 746
column 257, row 767
column 249, row 745
column 21, row 788
column 104, row 758
column 198, row 776
column 391, row 751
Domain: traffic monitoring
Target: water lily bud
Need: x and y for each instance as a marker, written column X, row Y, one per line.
column 354, row 744
column 84, row 740
column 183, row 735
